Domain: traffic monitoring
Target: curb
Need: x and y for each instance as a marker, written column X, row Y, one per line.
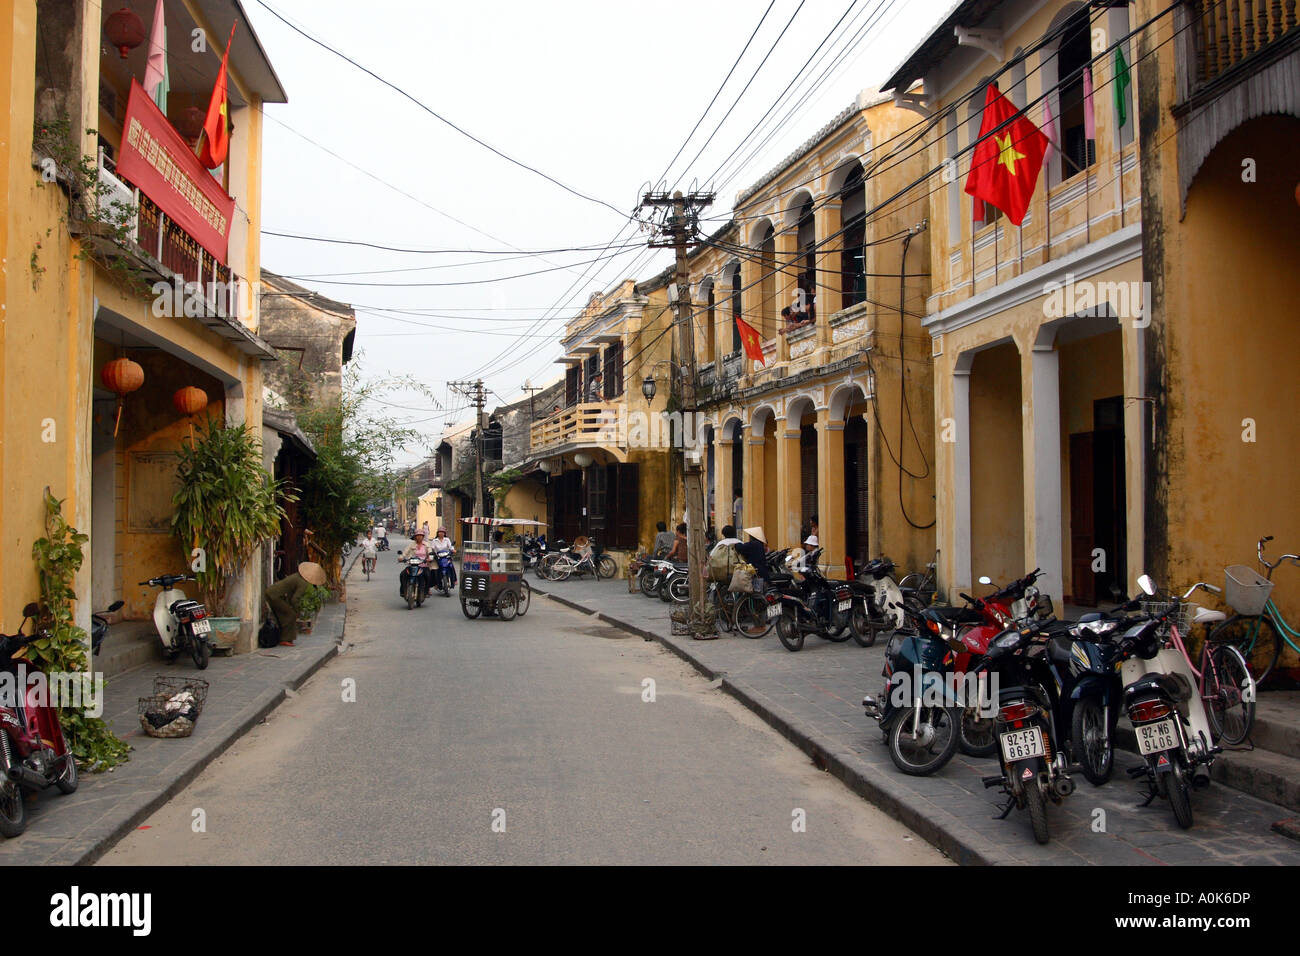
column 268, row 703
column 947, row 834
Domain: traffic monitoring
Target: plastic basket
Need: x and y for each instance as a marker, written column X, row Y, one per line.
column 1246, row 590
column 161, row 714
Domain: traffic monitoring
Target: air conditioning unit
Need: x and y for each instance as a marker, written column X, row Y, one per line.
column 117, row 202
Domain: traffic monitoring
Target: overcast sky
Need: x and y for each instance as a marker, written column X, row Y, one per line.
column 596, row 95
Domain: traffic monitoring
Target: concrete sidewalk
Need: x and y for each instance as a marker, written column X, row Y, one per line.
column 814, row 698
column 81, row 827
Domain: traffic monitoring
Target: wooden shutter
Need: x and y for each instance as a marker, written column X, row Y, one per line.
column 572, row 385
column 597, row 479
column 807, row 476
column 614, row 371
column 857, row 505
column 625, row 507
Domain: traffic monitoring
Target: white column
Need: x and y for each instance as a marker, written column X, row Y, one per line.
column 1047, row 504
column 961, row 536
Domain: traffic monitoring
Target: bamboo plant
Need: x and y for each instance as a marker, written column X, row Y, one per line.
column 227, row 505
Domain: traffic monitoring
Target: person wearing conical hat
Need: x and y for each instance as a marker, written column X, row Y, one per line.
column 285, row 597
column 754, row 551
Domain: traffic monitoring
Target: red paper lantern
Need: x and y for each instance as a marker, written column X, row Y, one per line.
column 121, row 376
column 189, row 123
column 124, row 30
column 190, row 400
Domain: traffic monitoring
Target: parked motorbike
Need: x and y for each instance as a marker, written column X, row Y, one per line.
column 182, row 624
column 444, row 571
column 1031, row 752
column 413, row 583
column 877, row 601
column 814, row 606
column 1164, row 705
column 99, row 625
column 33, row 750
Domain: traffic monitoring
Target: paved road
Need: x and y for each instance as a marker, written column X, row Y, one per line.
column 538, row 724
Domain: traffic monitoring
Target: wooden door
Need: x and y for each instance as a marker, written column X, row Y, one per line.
column 1083, row 584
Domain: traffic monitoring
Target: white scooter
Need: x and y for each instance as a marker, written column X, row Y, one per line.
column 182, row 623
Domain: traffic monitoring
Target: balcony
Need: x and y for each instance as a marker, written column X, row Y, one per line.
column 588, row 424
column 1224, row 36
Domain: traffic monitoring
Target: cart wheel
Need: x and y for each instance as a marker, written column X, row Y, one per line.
column 472, row 607
column 508, row 605
column 525, row 597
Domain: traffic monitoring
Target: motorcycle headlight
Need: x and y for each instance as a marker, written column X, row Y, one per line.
column 1007, row 641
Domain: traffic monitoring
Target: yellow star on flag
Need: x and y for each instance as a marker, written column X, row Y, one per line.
column 1007, row 154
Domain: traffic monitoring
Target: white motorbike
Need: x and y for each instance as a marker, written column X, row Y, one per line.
column 182, row 623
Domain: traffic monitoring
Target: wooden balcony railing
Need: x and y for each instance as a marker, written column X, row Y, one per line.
column 1227, row 32
column 593, row 423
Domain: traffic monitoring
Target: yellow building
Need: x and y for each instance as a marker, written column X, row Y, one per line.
column 606, row 453
column 1038, row 331
column 1219, row 104
column 821, row 427
column 79, row 293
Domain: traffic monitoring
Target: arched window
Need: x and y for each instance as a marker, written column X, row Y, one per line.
column 766, row 318
column 735, row 306
column 806, row 241
column 853, row 209
column 710, row 322
column 1073, row 57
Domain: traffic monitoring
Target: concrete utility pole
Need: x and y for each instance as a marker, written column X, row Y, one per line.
column 675, row 232
column 477, row 396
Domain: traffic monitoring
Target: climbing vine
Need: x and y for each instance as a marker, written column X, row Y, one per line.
column 62, row 646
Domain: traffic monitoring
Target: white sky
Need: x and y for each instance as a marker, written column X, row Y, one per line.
column 597, row 95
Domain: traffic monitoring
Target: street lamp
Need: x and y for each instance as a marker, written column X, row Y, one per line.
column 648, row 388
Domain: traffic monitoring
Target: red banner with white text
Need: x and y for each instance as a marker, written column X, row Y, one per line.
column 157, row 159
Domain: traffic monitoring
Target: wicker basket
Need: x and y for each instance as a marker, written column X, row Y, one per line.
column 165, row 713
column 683, row 626
column 1245, row 590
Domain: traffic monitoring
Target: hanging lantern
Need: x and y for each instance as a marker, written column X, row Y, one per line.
column 190, row 400
column 124, row 30
column 121, row 377
column 189, row 123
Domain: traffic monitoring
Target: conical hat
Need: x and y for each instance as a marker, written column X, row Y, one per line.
column 756, row 533
column 312, row 573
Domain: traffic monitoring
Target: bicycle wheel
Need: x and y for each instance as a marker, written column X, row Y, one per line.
column 562, row 568
column 1229, row 694
column 749, row 616
column 1255, row 638
column 724, row 602
column 606, row 567
column 525, row 596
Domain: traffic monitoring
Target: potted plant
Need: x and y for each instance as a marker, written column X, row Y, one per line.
column 312, row 602
column 226, row 506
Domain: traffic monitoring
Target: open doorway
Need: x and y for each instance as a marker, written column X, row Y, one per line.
column 1098, row 507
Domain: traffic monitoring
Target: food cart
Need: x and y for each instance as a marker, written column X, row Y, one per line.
column 492, row 572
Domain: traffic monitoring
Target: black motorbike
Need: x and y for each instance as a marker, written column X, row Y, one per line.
column 99, row 625
column 1031, row 749
column 413, row 582
column 815, row 605
column 877, row 601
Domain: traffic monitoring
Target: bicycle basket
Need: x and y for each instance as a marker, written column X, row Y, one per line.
column 1181, row 617
column 1245, row 590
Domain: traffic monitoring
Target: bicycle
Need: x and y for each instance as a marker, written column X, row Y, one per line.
column 754, row 615
column 1257, row 623
column 367, row 565
column 919, row 589
column 567, row 564
column 1223, row 679
column 721, row 597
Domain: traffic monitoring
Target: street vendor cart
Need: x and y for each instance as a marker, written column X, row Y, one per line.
column 492, row 569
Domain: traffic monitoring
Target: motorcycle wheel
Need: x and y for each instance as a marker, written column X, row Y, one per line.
column 1037, row 807
column 471, row 607
column 788, row 632
column 13, row 809
column 507, row 605
column 679, row 591
column 606, row 567
column 921, row 755
column 650, row 585
column 838, row 636
column 1092, row 750
column 979, row 737
column 525, row 597
column 864, row 632
column 410, row 598
column 68, row 782
column 1179, row 798
column 200, row 651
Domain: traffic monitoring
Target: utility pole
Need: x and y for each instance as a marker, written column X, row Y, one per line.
column 675, row 231
column 530, row 388
column 477, row 396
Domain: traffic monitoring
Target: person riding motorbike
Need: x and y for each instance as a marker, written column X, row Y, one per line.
column 417, row 548
column 443, row 543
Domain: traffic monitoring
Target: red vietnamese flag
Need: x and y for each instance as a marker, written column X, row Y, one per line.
column 1004, row 169
column 751, row 340
column 214, row 143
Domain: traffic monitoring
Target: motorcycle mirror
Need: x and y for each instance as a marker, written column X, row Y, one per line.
column 985, row 579
column 1147, row 585
column 31, row 610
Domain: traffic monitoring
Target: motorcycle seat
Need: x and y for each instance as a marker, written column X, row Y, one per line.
column 779, row 579
column 954, row 615
column 1174, row 686
column 1058, row 649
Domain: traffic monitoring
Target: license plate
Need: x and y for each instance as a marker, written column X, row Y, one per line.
column 1019, row 744
column 1153, row 738
column 773, row 610
column 844, row 605
column 202, row 627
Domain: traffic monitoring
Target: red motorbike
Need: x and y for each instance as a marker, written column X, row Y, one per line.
column 32, row 748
